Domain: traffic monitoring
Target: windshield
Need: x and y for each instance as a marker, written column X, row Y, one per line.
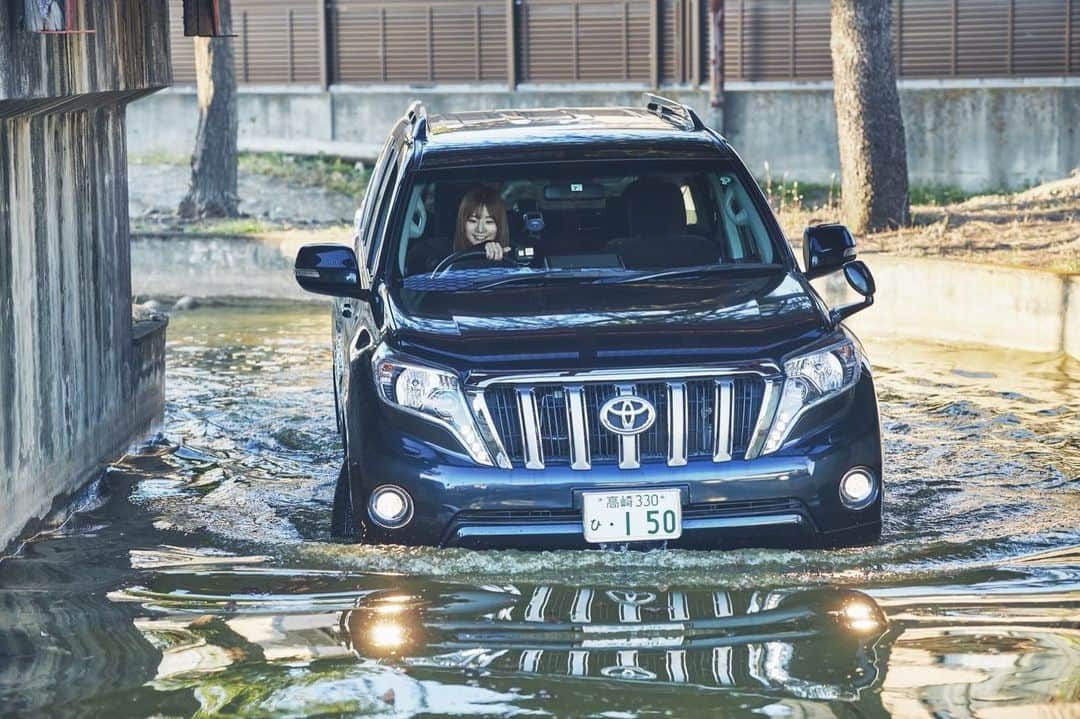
column 589, row 223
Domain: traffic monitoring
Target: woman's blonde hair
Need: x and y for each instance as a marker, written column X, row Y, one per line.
column 477, row 197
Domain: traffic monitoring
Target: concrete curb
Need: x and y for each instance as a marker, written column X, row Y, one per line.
column 953, row 301
column 226, row 267
column 934, row 299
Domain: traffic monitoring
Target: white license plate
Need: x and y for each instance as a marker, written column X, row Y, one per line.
column 632, row 516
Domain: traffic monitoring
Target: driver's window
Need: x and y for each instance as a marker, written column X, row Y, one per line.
column 385, row 201
column 371, row 194
column 415, row 226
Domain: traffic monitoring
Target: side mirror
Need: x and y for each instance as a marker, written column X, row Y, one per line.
column 329, row 270
column 858, row 276
column 826, row 248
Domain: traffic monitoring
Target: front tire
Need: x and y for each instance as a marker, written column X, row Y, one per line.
column 863, row 536
column 343, row 525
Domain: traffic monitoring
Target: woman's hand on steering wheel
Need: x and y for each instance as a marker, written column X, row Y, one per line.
column 496, row 252
column 487, row 251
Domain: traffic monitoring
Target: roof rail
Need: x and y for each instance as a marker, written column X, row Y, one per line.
column 417, row 115
column 670, row 110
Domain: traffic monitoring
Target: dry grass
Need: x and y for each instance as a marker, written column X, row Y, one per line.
column 1037, row 228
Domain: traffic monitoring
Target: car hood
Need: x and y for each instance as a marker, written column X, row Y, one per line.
column 719, row 319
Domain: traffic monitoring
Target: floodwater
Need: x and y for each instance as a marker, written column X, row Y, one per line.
column 198, row 578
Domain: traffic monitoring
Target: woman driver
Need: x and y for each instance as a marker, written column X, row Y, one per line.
column 481, row 221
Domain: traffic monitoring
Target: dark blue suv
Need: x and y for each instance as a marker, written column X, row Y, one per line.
column 584, row 327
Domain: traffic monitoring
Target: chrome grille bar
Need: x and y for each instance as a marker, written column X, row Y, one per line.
column 676, row 424
column 765, row 417
column 579, row 427
column 629, row 449
column 530, row 428
column 722, row 424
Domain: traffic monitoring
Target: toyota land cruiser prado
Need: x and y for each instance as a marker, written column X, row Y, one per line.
column 641, row 361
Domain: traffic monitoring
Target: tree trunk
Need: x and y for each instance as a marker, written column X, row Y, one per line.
column 869, row 125
column 213, row 163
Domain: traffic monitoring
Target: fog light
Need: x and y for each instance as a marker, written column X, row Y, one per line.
column 390, row 506
column 858, row 488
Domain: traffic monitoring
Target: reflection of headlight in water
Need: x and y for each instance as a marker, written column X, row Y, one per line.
column 861, row 617
column 387, row 635
column 390, row 609
column 393, row 605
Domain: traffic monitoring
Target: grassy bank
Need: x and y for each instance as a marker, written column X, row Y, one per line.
column 1037, row 228
column 330, row 173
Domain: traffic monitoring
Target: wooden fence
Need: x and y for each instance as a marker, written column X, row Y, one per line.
column 654, row 42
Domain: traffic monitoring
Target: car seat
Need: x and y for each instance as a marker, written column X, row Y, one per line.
column 656, row 220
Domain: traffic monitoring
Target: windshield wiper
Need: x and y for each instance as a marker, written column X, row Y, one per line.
column 615, row 278
column 696, row 270
column 543, row 275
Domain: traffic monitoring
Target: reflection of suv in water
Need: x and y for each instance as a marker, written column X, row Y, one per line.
column 647, row 364
column 822, row 644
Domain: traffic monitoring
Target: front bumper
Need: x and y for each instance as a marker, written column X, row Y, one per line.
column 787, row 499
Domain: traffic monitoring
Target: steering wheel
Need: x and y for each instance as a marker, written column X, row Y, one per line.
column 449, row 260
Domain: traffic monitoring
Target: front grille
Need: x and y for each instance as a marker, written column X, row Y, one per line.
column 705, row 510
column 548, row 409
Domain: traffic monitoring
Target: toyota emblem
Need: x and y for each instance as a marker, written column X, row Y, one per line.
column 627, row 415
column 630, row 598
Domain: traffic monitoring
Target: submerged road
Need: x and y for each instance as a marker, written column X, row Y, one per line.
column 199, row 580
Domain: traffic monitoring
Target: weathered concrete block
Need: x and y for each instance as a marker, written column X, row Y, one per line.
column 953, row 301
column 128, row 53
column 1072, row 316
column 77, row 385
column 215, row 267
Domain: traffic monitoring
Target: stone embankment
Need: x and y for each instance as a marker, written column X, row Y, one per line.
column 953, row 301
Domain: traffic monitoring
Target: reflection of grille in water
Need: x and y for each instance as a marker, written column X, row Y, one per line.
column 553, row 423
column 716, row 666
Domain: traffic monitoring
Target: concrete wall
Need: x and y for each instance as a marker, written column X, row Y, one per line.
column 952, row 301
column 77, row 383
column 1072, row 317
column 973, row 134
column 126, row 56
column 215, row 267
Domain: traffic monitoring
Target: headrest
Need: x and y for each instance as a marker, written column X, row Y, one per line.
column 447, row 201
column 654, row 208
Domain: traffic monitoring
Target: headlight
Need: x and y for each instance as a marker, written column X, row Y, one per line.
column 433, row 394
column 810, row 380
